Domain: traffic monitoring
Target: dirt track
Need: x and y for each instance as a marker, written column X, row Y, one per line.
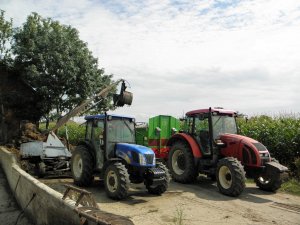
column 200, row 203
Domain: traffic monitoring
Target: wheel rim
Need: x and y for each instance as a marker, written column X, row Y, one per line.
column 178, row 162
column 263, row 180
column 77, row 166
column 225, row 177
column 112, row 181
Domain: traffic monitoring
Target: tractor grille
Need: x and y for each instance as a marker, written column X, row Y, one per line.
column 149, row 158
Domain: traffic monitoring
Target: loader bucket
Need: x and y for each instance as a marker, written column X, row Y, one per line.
column 125, row 98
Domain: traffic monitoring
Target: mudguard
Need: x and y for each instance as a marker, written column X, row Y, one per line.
column 191, row 141
column 275, row 167
column 272, row 168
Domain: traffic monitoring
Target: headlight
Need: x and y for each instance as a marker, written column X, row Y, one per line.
column 154, row 160
column 142, row 159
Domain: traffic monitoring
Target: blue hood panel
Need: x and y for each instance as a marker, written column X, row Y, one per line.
column 126, row 152
column 135, row 148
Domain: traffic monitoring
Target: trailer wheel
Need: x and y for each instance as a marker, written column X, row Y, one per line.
column 159, row 189
column 116, row 181
column 230, row 177
column 181, row 163
column 40, row 169
column 82, row 166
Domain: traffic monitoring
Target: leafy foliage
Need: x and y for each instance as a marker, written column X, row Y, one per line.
column 75, row 131
column 281, row 135
column 6, row 32
column 57, row 64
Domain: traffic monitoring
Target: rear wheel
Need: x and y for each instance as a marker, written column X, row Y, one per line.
column 82, row 166
column 161, row 188
column 230, row 176
column 116, row 181
column 181, row 163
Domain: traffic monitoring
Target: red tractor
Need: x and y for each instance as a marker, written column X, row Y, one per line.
column 210, row 145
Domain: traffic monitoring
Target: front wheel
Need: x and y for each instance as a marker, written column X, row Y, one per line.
column 269, row 181
column 116, row 181
column 272, row 183
column 230, row 177
column 161, row 188
column 181, row 163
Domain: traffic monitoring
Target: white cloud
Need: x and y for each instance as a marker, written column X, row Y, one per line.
column 177, row 57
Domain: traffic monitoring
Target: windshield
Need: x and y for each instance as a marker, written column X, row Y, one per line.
column 121, row 130
column 223, row 124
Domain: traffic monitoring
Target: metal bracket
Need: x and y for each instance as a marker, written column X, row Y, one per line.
column 80, row 196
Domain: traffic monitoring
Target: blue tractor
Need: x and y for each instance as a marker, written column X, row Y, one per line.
column 109, row 150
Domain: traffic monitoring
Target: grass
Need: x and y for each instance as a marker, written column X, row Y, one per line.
column 179, row 216
column 291, row 187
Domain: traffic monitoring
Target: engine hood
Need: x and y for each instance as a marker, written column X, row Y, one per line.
column 247, row 150
column 237, row 138
column 134, row 148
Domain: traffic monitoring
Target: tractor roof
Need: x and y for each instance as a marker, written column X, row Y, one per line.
column 102, row 116
column 217, row 110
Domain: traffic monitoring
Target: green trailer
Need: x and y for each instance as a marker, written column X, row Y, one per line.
column 156, row 134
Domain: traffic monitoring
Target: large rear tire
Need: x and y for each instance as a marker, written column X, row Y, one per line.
column 116, row 181
column 159, row 189
column 230, row 177
column 181, row 163
column 82, row 166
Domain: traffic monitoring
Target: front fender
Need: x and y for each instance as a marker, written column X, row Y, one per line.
column 189, row 140
column 275, row 167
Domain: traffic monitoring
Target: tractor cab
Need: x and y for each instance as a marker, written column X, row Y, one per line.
column 207, row 125
column 103, row 132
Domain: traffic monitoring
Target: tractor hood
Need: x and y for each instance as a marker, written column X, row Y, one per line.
column 136, row 155
column 236, row 138
column 134, row 148
column 247, row 150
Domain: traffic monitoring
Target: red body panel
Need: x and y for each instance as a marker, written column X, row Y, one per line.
column 201, row 111
column 236, row 144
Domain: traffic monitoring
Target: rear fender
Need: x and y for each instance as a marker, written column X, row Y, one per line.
column 189, row 140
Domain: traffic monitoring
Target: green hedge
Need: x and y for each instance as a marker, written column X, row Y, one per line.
column 280, row 134
column 75, row 131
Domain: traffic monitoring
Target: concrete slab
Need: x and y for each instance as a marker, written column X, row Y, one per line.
column 10, row 212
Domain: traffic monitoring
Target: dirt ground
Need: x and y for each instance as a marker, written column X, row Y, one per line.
column 198, row 203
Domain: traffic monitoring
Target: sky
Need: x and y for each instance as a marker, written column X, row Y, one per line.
column 183, row 55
